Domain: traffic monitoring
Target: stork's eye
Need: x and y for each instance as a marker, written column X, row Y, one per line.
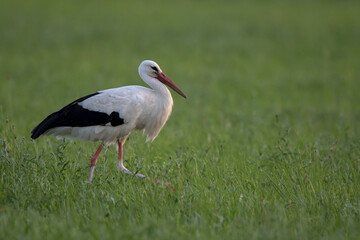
column 155, row 68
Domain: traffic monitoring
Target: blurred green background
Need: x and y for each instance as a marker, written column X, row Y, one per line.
column 230, row 57
column 273, row 96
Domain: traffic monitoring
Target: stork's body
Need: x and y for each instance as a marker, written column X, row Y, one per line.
column 110, row 115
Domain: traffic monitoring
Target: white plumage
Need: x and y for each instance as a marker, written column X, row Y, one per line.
column 110, row 115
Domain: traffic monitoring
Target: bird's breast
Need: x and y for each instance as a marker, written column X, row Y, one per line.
column 155, row 116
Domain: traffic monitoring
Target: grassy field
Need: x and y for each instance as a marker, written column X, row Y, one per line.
column 267, row 145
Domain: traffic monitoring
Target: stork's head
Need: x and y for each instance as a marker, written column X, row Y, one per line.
column 153, row 70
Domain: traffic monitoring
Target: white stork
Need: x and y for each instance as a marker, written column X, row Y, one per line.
column 110, row 115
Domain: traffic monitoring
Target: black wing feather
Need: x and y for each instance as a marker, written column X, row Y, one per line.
column 74, row 115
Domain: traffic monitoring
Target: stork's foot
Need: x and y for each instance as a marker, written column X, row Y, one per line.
column 140, row 175
column 127, row 171
column 91, row 173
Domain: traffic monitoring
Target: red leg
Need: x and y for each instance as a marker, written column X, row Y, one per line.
column 93, row 162
column 121, row 162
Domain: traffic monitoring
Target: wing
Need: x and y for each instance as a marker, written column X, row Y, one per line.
column 130, row 102
column 77, row 115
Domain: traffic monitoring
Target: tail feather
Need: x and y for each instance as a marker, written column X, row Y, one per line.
column 53, row 119
column 45, row 125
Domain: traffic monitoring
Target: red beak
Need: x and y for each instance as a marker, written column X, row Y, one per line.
column 167, row 81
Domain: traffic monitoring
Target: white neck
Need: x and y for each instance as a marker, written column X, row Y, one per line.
column 159, row 109
column 158, row 87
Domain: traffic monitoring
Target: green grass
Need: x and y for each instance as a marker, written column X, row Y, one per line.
column 267, row 145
